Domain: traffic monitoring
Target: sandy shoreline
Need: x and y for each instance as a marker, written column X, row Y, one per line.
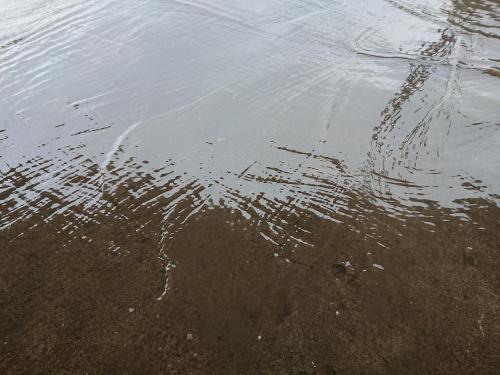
column 233, row 306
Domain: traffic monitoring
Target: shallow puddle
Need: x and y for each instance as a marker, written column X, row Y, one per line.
column 250, row 187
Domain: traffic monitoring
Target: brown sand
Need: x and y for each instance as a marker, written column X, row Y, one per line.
column 233, row 307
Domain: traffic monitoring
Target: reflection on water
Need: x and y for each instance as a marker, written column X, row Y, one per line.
column 291, row 112
column 479, row 17
column 302, row 122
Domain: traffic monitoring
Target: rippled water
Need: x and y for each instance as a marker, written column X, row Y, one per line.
column 366, row 134
column 261, row 107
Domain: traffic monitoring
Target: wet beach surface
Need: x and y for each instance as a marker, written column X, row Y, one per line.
column 250, row 187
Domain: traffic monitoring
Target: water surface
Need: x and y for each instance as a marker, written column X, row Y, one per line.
column 370, row 125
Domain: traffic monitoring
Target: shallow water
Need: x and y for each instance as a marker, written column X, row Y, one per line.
column 291, row 114
column 296, row 103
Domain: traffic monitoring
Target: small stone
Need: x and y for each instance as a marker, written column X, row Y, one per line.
column 189, row 336
column 468, row 257
column 131, row 309
column 337, row 313
column 259, row 337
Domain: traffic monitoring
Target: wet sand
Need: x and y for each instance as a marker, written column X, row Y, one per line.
column 425, row 302
column 193, row 187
